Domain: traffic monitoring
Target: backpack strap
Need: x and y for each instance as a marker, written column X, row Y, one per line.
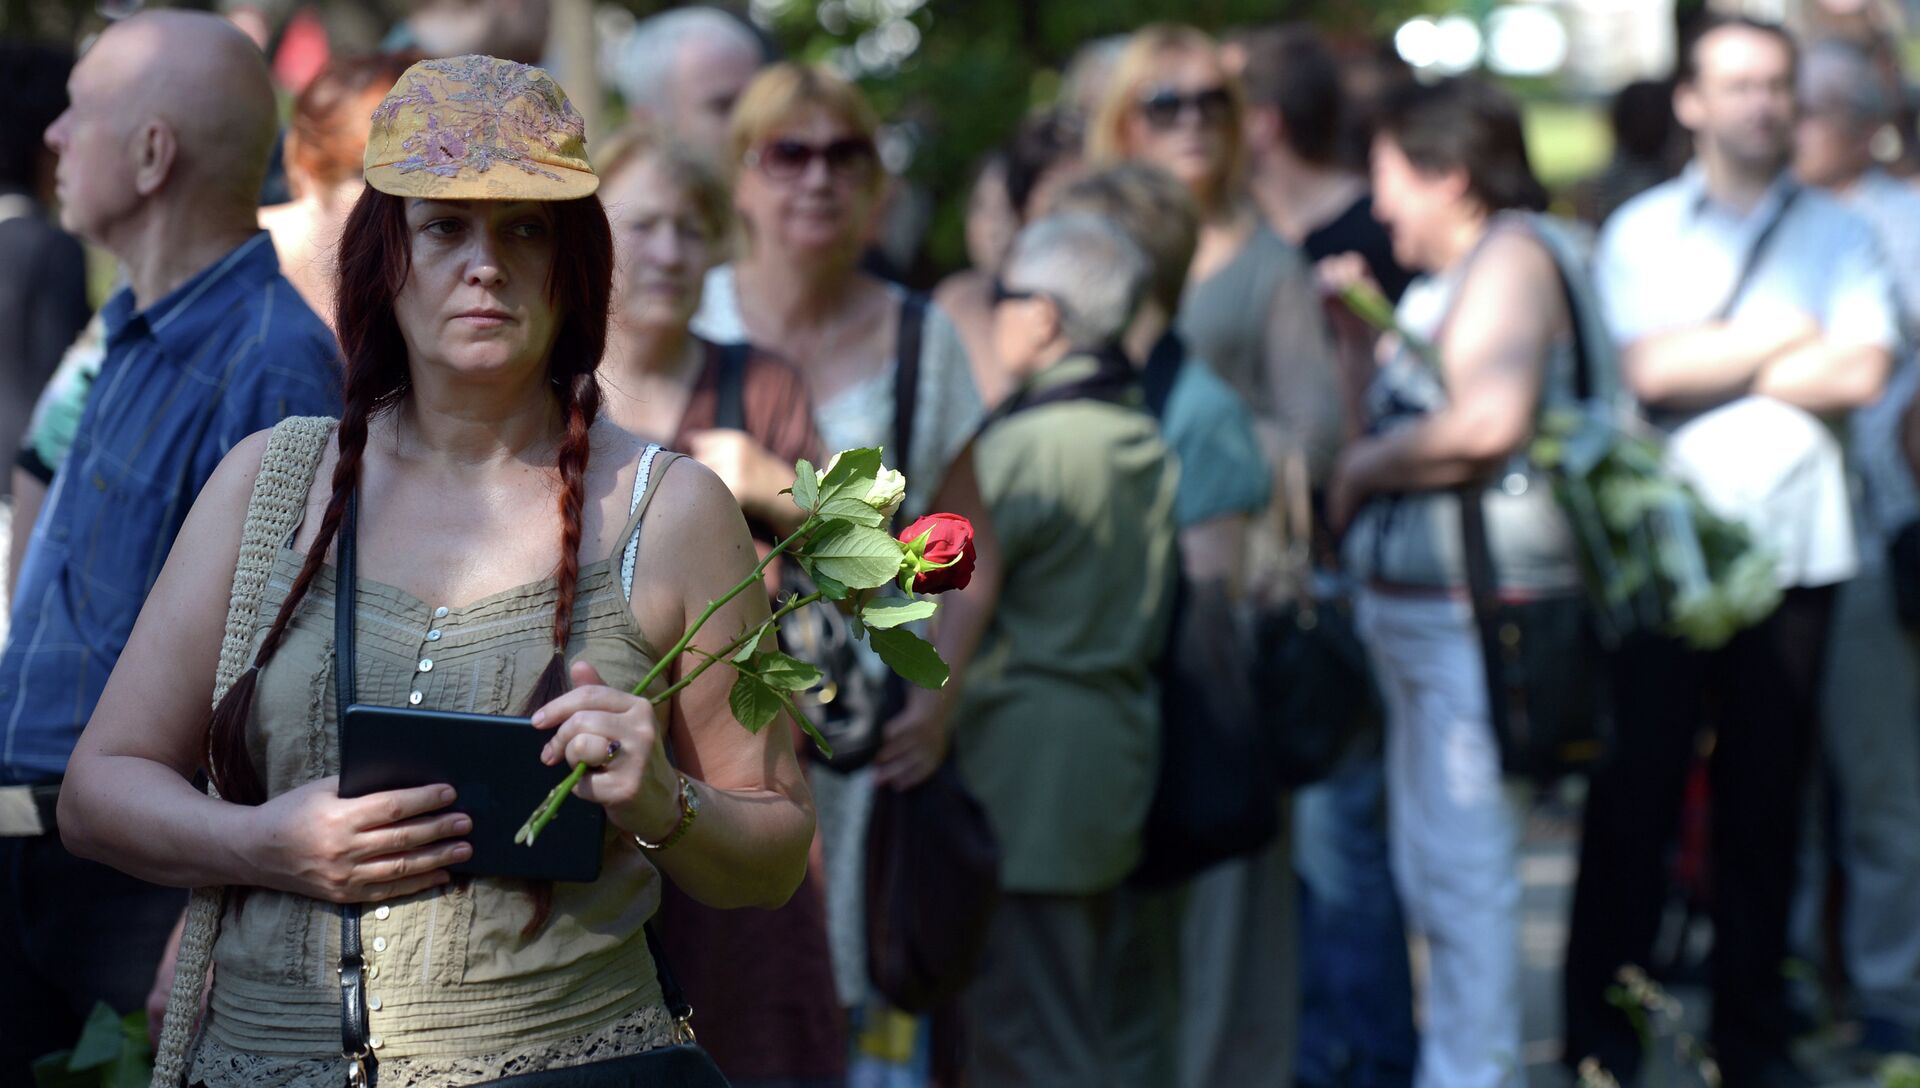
column 730, row 402
column 1114, row 380
column 293, row 454
column 1157, row 378
column 906, row 381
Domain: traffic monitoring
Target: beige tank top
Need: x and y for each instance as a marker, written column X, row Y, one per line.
column 455, row 993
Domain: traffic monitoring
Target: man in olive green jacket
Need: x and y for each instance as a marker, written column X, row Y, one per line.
column 1059, row 723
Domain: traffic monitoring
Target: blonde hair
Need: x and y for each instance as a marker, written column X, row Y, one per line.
column 637, row 143
column 782, row 91
column 1106, row 136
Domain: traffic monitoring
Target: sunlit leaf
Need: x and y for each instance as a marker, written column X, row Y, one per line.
column 885, row 612
column 909, row 655
column 855, row 556
column 784, row 673
column 852, row 473
column 753, row 703
column 806, row 485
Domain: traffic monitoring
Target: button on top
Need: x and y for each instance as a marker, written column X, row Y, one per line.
column 382, row 912
column 426, row 664
column 379, row 944
column 440, row 613
column 433, row 635
column 413, row 699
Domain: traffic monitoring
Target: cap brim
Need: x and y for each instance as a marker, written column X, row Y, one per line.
column 503, row 182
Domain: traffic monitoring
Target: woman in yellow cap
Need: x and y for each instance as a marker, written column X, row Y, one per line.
column 497, row 529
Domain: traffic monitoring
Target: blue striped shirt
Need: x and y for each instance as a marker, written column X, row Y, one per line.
column 231, row 351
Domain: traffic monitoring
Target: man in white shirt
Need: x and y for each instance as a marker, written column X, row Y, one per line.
column 1871, row 706
column 1752, row 314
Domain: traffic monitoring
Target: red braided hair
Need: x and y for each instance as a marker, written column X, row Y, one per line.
column 375, row 260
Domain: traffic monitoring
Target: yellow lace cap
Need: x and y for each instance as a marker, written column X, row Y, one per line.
column 478, row 128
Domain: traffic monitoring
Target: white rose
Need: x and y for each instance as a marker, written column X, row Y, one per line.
column 888, row 491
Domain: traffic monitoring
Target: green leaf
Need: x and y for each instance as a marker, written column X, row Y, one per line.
column 887, row 612
column 783, row 673
column 806, row 725
column 851, row 506
column 99, row 1039
column 134, row 1024
column 754, row 704
column 909, row 655
column 806, row 485
column 852, row 474
column 131, row 1069
column 831, row 588
column 51, row 1071
column 855, row 556
column 749, row 647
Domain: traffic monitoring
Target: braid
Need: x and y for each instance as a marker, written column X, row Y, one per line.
column 582, row 404
column 229, row 765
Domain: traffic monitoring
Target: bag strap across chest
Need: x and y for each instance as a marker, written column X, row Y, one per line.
column 293, row 454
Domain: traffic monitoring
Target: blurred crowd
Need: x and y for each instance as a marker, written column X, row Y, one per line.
column 1240, row 532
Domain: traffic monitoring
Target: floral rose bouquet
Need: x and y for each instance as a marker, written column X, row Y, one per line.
column 850, row 558
column 1655, row 557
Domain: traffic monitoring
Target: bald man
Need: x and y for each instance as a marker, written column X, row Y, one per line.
column 681, row 70
column 162, row 150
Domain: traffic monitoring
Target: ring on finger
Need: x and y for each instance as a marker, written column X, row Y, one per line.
column 613, row 749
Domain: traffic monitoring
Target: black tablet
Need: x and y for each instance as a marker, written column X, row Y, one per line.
column 493, row 764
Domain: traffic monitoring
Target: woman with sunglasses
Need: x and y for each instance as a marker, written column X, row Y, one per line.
column 489, row 511
column 807, row 188
column 1251, row 308
column 1252, row 313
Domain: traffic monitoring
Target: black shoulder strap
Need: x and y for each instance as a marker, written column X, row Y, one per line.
column 1755, row 252
column 906, row 376
column 1582, row 359
column 671, row 995
column 1114, row 380
column 730, row 406
column 1483, row 588
column 1169, row 354
column 354, row 1032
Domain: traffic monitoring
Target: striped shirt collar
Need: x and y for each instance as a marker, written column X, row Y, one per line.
column 181, row 318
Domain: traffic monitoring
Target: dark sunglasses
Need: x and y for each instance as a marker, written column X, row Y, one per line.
column 1003, row 293
column 1164, row 107
column 785, row 160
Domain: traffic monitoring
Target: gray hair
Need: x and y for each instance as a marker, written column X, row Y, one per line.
column 1839, row 76
column 646, row 68
column 1088, row 267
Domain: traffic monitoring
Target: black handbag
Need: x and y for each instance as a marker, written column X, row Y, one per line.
column 851, row 705
column 1214, row 797
column 1313, row 681
column 680, row 1065
column 932, row 881
column 1542, row 655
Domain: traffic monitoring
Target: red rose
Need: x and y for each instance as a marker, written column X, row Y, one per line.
column 940, row 552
